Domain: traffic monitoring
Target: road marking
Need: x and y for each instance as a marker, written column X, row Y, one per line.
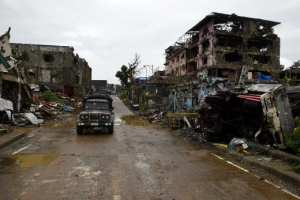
column 21, row 149
column 273, row 184
column 237, row 166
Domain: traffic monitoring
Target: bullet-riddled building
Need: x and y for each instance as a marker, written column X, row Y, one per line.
column 54, row 66
column 220, row 44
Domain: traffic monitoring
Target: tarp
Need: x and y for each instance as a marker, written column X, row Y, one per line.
column 32, row 118
column 5, row 105
column 144, row 78
column 261, row 76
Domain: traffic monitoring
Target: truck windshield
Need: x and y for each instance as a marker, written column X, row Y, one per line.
column 96, row 106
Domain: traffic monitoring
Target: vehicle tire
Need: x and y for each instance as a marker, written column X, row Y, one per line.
column 111, row 129
column 79, row 130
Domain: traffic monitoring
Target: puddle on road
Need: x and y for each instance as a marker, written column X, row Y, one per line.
column 134, row 120
column 66, row 122
column 118, row 121
column 28, row 160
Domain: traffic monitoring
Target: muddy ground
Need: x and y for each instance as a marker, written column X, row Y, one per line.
column 138, row 161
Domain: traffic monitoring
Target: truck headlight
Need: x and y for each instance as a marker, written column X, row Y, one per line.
column 105, row 116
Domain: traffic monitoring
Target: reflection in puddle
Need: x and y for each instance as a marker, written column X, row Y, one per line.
column 118, row 121
column 134, row 120
column 28, row 160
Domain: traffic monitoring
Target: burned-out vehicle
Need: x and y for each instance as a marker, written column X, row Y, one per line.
column 257, row 111
column 96, row 113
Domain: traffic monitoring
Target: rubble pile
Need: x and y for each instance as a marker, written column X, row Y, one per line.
column 38, row 112
column 154, row 116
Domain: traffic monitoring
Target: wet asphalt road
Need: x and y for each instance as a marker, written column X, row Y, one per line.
column 138, row 161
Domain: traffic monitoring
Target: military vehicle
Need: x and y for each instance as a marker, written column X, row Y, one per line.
column 96, row 113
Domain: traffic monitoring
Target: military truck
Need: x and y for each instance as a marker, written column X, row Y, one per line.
column 97, row 112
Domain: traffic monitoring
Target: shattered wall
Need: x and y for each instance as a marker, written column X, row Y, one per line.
column 224, row 43
column 175, row 61
column 86, row 73
column 229, row 41
column 5, row 50
column 13, row 86
column 54, row 65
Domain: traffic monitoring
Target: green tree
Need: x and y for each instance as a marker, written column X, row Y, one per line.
column 49, row 96
column 127, row 73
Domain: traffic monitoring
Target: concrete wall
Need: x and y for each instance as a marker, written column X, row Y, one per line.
column 13, row 86
column 226, row 43
column 55, row 65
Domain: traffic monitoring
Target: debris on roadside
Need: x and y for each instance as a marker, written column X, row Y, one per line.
column 37, row 112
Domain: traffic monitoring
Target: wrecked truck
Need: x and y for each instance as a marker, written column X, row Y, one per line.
column 257, row 111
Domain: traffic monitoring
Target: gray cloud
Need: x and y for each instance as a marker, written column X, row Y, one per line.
column 107, row 33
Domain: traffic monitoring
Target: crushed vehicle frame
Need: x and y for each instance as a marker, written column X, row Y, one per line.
column 261, row 113
column 96, row 113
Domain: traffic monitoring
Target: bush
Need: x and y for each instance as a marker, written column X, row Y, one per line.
column 49, row 96
column 296, row 167
column 143, row 107
column 123, row 95
column 293, row 140
column 78, row 95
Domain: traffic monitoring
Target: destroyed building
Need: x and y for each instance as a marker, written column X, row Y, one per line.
column 13, row 85
column 55, row 67
column 229, row 71
column 220, row 44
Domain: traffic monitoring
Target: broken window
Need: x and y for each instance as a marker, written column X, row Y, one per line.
column 31, row 73
column 205, row 45
column 261, row 44
column 261, row 59
column 233, row 57
column 264, row 28
column 24, row 56
column 229, row 26
column 48, row 58
column 2, row 49
column 192, row 53
column 231, row 41
column 205, row 31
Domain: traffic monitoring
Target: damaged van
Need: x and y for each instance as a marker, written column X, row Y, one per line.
column 258, row 111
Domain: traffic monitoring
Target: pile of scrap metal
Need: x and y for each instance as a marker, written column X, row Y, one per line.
column 33, row 113
column 154, row 116
column 52, row 110
column 8, row 117
column 259, row 112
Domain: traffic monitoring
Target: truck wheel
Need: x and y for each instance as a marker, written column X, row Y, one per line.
column 79, row 130
column 111, row 129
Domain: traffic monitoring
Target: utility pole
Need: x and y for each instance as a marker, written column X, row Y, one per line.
column 150, row 67
column 146, row 72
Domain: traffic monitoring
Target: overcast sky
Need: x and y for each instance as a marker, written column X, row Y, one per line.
column 108, row 33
